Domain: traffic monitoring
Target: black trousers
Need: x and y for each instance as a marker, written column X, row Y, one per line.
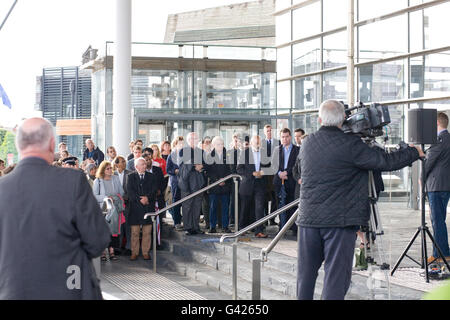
column 256, row 200
column 333, row 246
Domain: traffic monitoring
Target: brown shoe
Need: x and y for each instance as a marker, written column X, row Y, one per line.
column 261, row 235
column 146, row 256
column 133, row 257
column 440, row 260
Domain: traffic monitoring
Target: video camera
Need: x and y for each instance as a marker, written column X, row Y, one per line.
column 367, row 121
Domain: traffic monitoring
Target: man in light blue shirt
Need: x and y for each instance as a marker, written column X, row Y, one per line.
column 284, row 181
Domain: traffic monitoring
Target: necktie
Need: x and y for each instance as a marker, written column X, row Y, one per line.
column 142, row 177
column 269, row 148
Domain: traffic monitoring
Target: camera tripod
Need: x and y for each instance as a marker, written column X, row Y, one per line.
column 374, row 230
column 424, row 231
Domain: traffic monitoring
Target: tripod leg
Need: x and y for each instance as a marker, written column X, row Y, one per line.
column 438, row 249
column 405, row 252
column 424, row 253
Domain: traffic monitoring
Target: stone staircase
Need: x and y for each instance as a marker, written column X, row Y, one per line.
column 204, row 259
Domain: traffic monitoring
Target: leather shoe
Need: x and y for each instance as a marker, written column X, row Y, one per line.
column 146, row 256
column 133, row 257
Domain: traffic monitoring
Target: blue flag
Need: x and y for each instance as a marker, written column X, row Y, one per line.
column 4, row 97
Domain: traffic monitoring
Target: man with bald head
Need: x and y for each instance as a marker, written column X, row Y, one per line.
column 39, row 204
column 93, row 152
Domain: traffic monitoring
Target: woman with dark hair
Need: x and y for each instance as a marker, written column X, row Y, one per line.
column 165, row 150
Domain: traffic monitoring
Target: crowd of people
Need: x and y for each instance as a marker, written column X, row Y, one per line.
column 149, row 178
column 327, row 170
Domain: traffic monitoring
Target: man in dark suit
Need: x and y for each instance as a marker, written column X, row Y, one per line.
column 253, row 186
column 284, row 160
column 268, row 146
column 64, row 214
column 120, row 170
column 437, row 171
column 141, row 188
column 147, row 154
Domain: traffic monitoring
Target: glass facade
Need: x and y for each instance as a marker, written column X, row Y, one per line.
column 213, row 90
column 392, row 65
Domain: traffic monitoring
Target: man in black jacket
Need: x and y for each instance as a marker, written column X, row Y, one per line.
column 93, row 153
column 191, row 179
column 216, row 169
column 284, row 160
column 437, row 171
column 334, row 200
column 142, row 189
column 39, row 203
column 253, row 186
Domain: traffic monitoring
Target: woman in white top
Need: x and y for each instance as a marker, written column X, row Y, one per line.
column 106, row 185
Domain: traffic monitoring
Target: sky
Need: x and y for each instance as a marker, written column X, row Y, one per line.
column 55, row 33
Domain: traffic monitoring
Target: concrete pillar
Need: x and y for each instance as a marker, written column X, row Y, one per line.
column 121, row 124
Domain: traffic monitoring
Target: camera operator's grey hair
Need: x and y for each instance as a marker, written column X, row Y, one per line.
column 37, row 137
column 332, row 113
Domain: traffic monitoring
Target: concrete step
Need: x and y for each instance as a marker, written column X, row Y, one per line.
column 220, row 260
column 213, row 278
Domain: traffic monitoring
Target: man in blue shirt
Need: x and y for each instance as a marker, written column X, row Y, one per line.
column 93, row 153
column 284, row 161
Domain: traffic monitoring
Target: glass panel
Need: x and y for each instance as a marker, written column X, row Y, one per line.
column 284, row 62
column 306, row 93
column 382, row 81
column 154, row 89
column 284, row 95
column 371, row 9
column 393, row 42
column 335, row 50
column 236, row 53
column 435, row 22
column 432, row 78
column 306, row 57
column 283, row 28
column 334, row 14
column 335, row 85
column 306, row 21
column 236, row 90
column 308, row 122
column 416, row 31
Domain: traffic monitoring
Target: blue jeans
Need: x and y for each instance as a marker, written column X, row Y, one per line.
column 438, row 205
column 225, row 200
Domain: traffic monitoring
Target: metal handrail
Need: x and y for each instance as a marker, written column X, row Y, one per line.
column 192, row 195
column 265, row 251
column 256, row 263
column 261, row 221
column 153, row 215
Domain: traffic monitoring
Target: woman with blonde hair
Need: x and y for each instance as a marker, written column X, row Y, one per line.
column 107, row 185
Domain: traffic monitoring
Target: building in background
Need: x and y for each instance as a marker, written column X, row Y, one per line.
column 401, row 58
column 242, row 24
column 64, row 97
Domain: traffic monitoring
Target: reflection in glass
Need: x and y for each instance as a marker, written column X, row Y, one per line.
column 335, row 50
column 306, row 57
column 306, row 93
column 383, row 39
column 335, row 85
column 382, row 81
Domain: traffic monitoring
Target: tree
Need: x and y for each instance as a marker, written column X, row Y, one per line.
column 8, row 146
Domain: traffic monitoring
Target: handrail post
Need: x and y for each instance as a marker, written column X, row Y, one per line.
column 154, row 243
column 236, row 206
column 256, row 279
column 234, row 271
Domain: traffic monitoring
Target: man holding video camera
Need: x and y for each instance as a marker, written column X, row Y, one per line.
column 334, row 200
